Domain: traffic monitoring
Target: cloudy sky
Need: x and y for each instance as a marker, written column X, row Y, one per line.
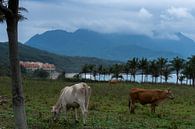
column 160, row 18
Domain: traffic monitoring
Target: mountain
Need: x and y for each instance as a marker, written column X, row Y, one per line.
column 67, row 63
column 111, row 46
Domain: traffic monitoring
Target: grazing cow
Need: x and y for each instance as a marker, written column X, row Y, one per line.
column 113, row 82
column 74, row 96
column 148, row 96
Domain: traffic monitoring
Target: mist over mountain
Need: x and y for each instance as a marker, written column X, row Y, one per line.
column 112, row 46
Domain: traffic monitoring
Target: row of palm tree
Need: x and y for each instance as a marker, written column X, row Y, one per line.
column 158, row 68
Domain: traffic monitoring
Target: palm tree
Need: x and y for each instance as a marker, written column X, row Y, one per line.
column 10, row 12
column 126, row 70
column 178, row 64
column 143, row 65
column 104, row 72
column 192, row 69
column 187, row 72
column 117, row 69
column 166, row 72
column 154, row 70
column 161, row 63
column 95, row 72
column 133, row 66
column 85, row 70
column 99, row 70
column 91, row 68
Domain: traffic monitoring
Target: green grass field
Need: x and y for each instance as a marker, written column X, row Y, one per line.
column 108, row 107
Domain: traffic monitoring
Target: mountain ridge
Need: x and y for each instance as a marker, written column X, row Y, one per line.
column 103, row 45
column 62, row 63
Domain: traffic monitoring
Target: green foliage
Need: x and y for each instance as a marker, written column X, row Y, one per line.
column 69, row 64
column 108, row 107
column 40, row 73
column 61, row 76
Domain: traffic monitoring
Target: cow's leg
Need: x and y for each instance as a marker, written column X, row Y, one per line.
column 65, row 112
column 132, row 107
column 153, row 108
column 84, row 113
column 76, row 115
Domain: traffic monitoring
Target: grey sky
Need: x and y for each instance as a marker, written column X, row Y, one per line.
column 164, row 17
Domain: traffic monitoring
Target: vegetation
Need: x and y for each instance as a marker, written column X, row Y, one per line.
column 108, row 107
column 161, row 67
column 62, row 63
column 11, row 13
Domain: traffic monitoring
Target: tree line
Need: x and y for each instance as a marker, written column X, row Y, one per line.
column 158, row 68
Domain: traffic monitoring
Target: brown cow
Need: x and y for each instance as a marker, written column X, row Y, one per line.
column 148, row 96
column 113, row 82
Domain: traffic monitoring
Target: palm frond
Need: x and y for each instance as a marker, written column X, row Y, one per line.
column 2, row 17
column 21, row 17
column 22, row 9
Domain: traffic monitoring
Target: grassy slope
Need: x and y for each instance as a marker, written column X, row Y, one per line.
column 108, row 107
column 67, row 63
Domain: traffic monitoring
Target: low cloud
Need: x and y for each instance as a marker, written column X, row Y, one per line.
column 164, row 17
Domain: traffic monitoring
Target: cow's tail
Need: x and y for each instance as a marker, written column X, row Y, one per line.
column 129, row 103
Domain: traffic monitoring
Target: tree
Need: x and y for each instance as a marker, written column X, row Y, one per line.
column 161, row 64
column 62, row 76
column 91, row 69
column 178, row 64
column 40, row 73
column 143, row 65
column 192, row 69
column 117, row 69
column 85, row 70
column 166, row 72
column 154, row 70
column 100, row 70
column 9, row 11
column 133, row 66
column 126, row 70
column 187, row 72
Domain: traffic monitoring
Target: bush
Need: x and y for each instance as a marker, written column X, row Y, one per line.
column 40, row 73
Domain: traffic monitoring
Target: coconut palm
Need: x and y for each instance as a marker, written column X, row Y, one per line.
column 161, row 64
column 84, row 70
column 178, row 64
column 192, row 69
column 133, row 66
column 117, row 69
column 11, row 14
column 91, row 68
column 154, row 70
column 126, row 69
column 143, row 65
column 187, row 72
column 100, row 70
column 166, row 72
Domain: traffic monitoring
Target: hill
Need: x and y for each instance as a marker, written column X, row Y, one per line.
column 67, row 63
column 112, row 46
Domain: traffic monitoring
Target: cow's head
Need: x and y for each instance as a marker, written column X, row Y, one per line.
column 169, row 94
column 56, row 113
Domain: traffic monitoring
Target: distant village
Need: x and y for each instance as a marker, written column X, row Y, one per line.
column 31, row 66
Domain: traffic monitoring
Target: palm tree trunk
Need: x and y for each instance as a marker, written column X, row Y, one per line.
column 177, row 74
column 142, row 77
column 17, row 90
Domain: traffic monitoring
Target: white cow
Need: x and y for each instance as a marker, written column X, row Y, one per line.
column 74, row 96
